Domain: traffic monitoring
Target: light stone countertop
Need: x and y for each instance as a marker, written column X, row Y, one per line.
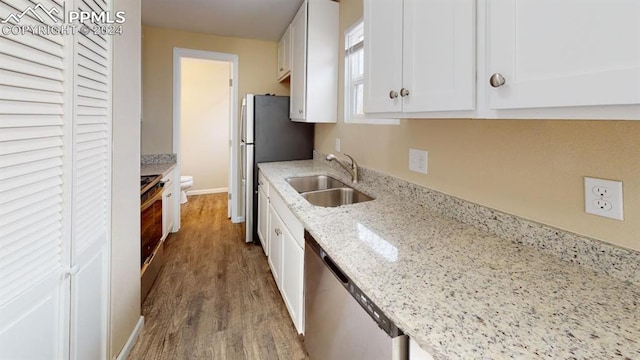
column 156, row 169
column 460, row 292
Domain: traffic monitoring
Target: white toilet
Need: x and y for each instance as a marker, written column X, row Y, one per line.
column 186, row 182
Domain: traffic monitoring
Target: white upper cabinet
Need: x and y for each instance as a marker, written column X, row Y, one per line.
column 314, row 62
column 298, row 64
column 284, row 55
column 563, row 53
column 383, row 56
column 419, row 56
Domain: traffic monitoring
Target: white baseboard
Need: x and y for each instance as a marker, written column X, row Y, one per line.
column 207, row 191
column 124, row 354
column 238, row 219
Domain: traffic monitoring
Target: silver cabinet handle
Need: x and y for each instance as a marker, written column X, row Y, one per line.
column 393, row 94
column 496, row 80
column 278, row 232
column 404, row 92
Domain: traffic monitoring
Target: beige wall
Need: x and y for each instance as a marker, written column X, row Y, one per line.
column 204, row 127
column 531, row 168
column 257, row 62
column 125, row 217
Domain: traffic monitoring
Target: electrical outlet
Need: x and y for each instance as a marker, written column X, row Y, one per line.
column 418, row 160
column 337, row 146
column 603, row 198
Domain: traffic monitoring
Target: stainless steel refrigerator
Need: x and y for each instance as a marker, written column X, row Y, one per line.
column 268, row 135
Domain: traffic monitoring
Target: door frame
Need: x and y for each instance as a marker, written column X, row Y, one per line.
column 232, row 59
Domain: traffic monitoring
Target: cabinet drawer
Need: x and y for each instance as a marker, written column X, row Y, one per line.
column 291, row 222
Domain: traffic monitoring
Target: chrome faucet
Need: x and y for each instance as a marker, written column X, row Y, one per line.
column 351, row 169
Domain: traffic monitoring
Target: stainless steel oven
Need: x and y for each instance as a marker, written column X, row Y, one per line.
column 152, row 251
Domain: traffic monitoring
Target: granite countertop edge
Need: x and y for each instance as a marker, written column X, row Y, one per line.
column 156, row 169
column 460, row 292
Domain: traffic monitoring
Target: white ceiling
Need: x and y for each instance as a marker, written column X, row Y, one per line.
column 252, row 19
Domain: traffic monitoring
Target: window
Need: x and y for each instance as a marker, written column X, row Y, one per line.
column 354, row 78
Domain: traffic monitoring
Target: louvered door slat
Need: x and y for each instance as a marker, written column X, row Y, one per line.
column 92, row 84
column 91, row 93
column 26, row 217
column 33, row 73
column 24, row 50
column 37, row 177
column 24, row 66
column 32, row 247
column 30, row 95
column 42, row 263
column 37, row 233
column 29, row 82
column 31, row 167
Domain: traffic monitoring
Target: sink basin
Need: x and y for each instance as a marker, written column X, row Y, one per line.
column 335, row 197
column 313, row 183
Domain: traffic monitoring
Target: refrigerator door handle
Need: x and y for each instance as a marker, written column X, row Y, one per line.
column 248, row 219
column 243, row 151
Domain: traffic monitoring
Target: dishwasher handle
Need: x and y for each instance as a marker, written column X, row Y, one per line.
column 334, row 268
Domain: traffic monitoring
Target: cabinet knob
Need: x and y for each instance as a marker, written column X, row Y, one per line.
column 496, row 80
column 300, row 111
column 393, row 94
column 278, row 232
column 404, row 92
column 281, row 69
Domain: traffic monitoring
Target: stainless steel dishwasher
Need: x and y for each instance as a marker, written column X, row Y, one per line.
column 341, row 323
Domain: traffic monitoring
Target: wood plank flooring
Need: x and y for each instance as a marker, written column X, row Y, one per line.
column 215, row 297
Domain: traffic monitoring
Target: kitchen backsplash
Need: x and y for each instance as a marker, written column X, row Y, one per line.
column 157, row 159
column 605, row 258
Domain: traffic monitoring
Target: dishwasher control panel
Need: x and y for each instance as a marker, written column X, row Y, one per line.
column 376, row 314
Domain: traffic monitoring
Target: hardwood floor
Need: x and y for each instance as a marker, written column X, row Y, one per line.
column 215, row 297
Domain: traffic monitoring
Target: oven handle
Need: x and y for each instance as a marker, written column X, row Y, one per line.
column 151, row 200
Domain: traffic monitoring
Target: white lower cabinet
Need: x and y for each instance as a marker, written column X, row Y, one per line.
column 275, row 246
column 263, row 213
column 284, row 235
column 168, row 209
column 292, row 279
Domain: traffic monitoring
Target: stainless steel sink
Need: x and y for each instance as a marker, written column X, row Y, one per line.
column 313, row 183
column 335, row 197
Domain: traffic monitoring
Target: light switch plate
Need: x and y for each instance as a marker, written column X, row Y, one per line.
column 418, row 161
column 603, row 198
column 337, row 145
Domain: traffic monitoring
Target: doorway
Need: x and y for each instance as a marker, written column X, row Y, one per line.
column 205, row 103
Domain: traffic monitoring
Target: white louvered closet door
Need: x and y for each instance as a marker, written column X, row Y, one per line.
column 91, row 189
column 34, row 241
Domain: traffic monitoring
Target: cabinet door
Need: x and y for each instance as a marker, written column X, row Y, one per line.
column 292, row 279
column 563, row 53
column 439, row 60
column 284, row 55
column 382, row 56
column 167, row 205
column 280, row 72
column 263, row 219
column 299, row 64
column 275, row 245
